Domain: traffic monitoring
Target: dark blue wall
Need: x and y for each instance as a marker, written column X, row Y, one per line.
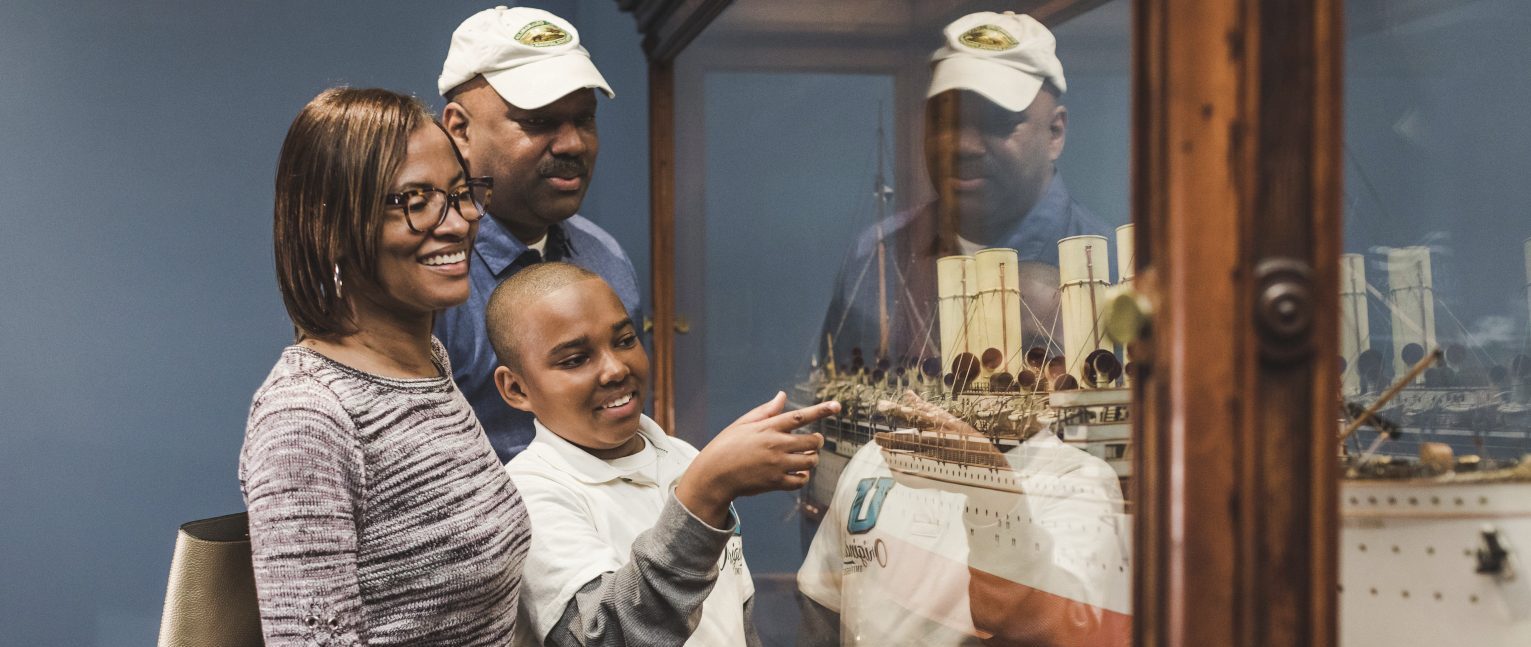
column 1436, row 154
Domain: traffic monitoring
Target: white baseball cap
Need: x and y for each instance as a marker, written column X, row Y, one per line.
column 529, row 56
column 1003, row 56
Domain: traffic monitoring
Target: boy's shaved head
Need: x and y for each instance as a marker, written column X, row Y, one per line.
column 524, row 287
column 570, row 355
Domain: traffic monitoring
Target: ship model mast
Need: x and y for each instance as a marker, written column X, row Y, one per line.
column 1527, row 249
column 881, row 193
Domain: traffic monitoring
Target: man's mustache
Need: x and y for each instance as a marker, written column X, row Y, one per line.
column 562, row 167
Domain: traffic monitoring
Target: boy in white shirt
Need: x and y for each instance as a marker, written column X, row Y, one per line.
column 632, row 530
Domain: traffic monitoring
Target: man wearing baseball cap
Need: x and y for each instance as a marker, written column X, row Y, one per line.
column 901, row 562
column 995, row 126
column 521, row 107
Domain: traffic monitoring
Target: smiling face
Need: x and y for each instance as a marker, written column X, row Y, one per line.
column 993, row 162
column 421, row 273
column 541, row 159
column 578, row 366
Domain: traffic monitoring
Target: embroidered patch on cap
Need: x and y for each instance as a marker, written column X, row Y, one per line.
column 988, row 37
column 542, row 33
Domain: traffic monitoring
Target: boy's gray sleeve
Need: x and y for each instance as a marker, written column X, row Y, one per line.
column 751, row 637
column 818, row 626
column 656, row 597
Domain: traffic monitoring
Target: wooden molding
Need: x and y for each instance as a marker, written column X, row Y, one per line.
column 1236, row 145
column 1056, row 12
column 669, row 25
column 662, row 237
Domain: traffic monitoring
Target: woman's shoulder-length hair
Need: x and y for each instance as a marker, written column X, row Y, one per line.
column 340, row 155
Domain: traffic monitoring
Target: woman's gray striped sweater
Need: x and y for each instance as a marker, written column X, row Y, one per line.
column 379, row 514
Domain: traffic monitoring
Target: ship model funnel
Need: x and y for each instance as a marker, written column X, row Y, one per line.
column 1126, row 269
column 956, row 286
column 1084, row 273
column 1355, row 324
column 1411, row 290
column 995, row 333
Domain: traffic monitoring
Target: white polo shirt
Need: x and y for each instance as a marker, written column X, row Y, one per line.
column 901, row 578
column 585, row 514
column 893, row 559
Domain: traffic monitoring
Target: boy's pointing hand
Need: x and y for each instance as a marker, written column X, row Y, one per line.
column 757, row 453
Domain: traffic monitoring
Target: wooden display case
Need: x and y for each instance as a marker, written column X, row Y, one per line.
column 1235, row 191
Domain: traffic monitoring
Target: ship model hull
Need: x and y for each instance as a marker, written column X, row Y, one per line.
column 1418, row 563
column 1415, row 565
column 1053, row 513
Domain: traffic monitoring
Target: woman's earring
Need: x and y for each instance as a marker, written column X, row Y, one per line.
column 337, row 281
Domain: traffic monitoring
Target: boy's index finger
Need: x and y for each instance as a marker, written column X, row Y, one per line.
column 765, row 410
column 797, row 418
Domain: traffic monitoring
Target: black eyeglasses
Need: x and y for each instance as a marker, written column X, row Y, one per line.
column 426, row 209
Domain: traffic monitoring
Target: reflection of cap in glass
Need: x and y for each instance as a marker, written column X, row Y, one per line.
column 1003, row 56
column 529, row 56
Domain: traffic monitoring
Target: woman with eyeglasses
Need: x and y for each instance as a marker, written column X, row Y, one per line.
column 378, row 512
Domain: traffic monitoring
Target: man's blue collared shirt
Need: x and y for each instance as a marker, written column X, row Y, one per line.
column 496, row 256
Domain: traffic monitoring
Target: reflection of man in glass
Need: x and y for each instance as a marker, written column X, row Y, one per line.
column 1018, row 544
column 995, row 125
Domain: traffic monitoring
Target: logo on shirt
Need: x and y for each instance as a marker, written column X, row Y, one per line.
column 988, row 37
column 733, row 555
column 541, row 33
column 858, row 554
column 868, row 504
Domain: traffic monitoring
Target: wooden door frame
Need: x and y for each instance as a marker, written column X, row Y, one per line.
column 1236, row 192
column 667, row 27
column 1236, row 140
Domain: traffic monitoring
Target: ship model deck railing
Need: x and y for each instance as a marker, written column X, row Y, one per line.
column 977, row 452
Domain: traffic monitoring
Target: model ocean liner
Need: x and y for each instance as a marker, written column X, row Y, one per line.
column 1436, row 499
column 1005, row 424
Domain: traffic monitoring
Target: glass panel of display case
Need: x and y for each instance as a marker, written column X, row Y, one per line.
column 931, row 245
column 1436, row 367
